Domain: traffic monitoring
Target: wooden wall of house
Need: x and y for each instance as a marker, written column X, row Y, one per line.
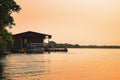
column 17, row 43
column 35, row 40
column 20, row 42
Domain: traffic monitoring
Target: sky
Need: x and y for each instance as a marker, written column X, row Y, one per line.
column 84, row 22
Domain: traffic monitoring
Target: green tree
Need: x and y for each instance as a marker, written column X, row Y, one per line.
column 7, row 7
column 53, row 43
column 6, row 39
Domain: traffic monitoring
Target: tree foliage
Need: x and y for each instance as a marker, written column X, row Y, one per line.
column 7, row 7
column 53, row 43
column 6, row 39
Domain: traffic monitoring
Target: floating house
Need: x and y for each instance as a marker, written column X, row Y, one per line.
column 22, row 39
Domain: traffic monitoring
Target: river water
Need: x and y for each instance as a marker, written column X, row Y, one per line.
column 76, row 64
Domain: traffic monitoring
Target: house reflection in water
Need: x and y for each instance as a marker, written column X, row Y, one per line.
column 22, row 39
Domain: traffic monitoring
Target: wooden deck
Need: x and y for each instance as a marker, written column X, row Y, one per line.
column 23, row 50
column 58, row 49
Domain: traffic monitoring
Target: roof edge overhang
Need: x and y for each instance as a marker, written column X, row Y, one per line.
column 22, row 33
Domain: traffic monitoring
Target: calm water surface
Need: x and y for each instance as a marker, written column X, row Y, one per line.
column 77, row 64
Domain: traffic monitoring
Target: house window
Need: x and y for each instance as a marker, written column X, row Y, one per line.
column 25, row 40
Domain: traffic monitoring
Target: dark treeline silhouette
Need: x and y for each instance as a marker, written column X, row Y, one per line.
column 82, row 46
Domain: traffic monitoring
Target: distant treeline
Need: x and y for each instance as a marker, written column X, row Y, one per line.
column 81, row 46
